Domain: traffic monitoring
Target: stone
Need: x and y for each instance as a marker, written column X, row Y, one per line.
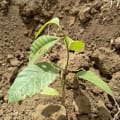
column 14, row 62
column 49, row 112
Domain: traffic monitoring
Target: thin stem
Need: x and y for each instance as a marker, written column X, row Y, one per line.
column 63, row 87
column 63, row 72
column 67, row 60
column 63, row 77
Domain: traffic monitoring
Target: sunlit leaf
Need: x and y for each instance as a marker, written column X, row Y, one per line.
column 77, row 46
column 52, row 21
column 93, row 78
column 49, row 91
column 40, row 46
column 32, row 80
column 68, row 40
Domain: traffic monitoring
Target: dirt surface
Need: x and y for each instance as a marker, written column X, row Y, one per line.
column 92, row 21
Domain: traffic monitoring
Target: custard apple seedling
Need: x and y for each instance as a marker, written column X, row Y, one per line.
column 36, row 78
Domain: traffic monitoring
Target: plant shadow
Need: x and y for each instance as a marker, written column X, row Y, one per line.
column 50, row 110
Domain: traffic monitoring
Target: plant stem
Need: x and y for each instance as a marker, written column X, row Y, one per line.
column 63, row 87
column 64, row 70
column 63, row 73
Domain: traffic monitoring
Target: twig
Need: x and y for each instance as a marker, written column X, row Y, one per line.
column 111, row 3
column 118, row 2
column 116, row 115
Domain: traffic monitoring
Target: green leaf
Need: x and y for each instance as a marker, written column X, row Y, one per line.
column 68, row 40
column 76, row 46
column 93, row 78
column 52, row 21
column 40, row 46
column 49, row 91
column 32, row 80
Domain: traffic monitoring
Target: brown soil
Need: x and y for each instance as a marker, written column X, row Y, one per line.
column 92, row 21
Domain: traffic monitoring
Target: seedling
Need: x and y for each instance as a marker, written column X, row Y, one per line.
column 36, row 77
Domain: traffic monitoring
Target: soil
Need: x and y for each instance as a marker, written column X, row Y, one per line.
column 93, row 21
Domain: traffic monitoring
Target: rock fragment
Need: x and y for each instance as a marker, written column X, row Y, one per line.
column 14, row 62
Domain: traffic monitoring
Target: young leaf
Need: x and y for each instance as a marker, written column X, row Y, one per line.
column 93, row 78
column 77, row 46
column 49, row 91
column 40, row 46
column 68, row 40
column 32, row 80
column 52, row 21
